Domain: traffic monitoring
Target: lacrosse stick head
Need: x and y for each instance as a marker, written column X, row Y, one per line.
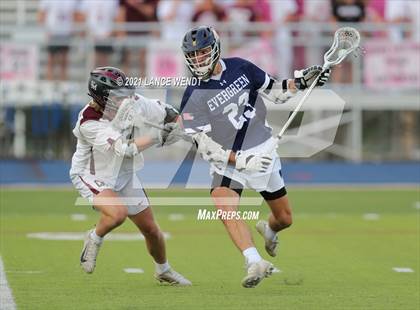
column 346, row 40
column 123, row 118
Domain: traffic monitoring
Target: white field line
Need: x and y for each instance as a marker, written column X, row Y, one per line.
column 176, row 217
column 6, row 298
column 78, row 217
column 72, row 236
column 171, row 201
column 402, row 269
column 133, row 270
column 347, row 186
column 371, row 216
column 25, row 271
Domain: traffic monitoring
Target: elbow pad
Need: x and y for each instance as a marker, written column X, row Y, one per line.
column 277, row 92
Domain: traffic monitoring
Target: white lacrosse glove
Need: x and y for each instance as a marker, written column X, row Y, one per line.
column 252, row 162
column 171, row 134
column 304, row 78
column 210, row 150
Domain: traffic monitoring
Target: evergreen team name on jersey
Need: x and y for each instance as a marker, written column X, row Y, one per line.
column 231, row 90
column 228, row 107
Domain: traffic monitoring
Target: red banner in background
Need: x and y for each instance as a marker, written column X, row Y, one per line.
column 18, row 62
column 392, row 66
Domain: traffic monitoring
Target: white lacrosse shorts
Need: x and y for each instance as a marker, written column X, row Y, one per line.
column 130, row 190
column 270, row 181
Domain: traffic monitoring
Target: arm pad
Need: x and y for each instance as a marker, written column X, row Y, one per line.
column 277, row 92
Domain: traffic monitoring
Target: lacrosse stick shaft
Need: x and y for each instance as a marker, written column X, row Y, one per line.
column 343, row 37
column 301, row 102
column 184, row 137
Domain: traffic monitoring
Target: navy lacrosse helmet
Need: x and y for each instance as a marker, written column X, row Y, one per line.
column 106, row 83
column 201, row 47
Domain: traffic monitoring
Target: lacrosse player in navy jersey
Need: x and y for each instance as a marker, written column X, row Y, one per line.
column 226, row 117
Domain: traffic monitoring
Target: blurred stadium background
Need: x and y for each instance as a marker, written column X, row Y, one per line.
column 49, row 47
column 348, row 244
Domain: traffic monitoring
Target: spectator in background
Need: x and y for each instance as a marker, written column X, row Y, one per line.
column 175, row 17
column 99, row 17
column 397, row 12
column 262, row 9
column 299, row 60
column 314, row 12
column 208, row 12
column 402, row 11
column 225, row 4
column 284, row 12
column 137, row 11
column 375, row 12
column 346, row 11
column 58, row 18
column 317, row 11
column 355, row 11
column 241, row 14
column 350, row 11
column 378, row 7
column 242, row 11
column 247, row 41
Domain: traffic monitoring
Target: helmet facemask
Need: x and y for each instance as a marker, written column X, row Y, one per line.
column 114, row 100
column 202, row 62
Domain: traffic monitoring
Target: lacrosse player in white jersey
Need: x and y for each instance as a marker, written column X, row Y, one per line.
column 108, row 155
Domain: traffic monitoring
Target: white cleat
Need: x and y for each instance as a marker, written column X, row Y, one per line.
column 270, row 244
column 89, row 253
column 256, row 273
column 172, row 277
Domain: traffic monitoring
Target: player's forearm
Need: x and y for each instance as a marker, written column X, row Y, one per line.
column 143, row 143
column 291, row 86
column 279, row 92
column 133, row 147
column 232, row 159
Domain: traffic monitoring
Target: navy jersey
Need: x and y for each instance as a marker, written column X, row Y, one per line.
column 228, row 107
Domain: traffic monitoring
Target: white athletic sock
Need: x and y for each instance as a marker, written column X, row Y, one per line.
column 95, row 237
column 251, row 256
column 269, row 233
column 161, row 268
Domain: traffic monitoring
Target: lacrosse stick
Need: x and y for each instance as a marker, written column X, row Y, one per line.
column 346, row 40
column 181, row 135
column 127, row 116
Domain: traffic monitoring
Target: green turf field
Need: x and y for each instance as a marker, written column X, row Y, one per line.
column 331, row 258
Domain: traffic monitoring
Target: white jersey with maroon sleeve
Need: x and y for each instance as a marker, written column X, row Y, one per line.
column 95, row 158
column 95, row 164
